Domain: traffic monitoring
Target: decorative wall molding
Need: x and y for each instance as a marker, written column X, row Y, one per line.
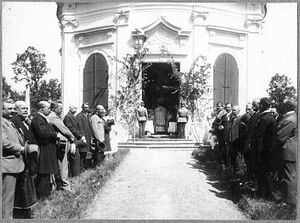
column 199, row 17
column 121, row 17
column 69, row 23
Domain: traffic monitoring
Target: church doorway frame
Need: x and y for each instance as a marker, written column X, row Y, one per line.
column 157, row 98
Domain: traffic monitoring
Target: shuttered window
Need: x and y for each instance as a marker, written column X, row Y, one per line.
column 95, row 81
column 226, row 79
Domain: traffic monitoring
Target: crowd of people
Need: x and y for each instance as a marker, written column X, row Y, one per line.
column 265, row 137
column 40, row 152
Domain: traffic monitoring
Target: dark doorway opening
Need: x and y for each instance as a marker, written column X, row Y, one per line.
column 160, row 89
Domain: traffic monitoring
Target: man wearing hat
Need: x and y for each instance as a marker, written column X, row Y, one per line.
column 11, row 160
column 72, row 124
column 46, row 138
column 25, row 187
column 142, row 116
column 182, row 119
column 264, row 136
column 98, row 127
column 83, row 120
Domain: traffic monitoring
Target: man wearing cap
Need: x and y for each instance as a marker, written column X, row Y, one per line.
column 11, row 160
column 142, row 116
column 83, row 120
column 72, row 124
column 264, row 136
column 46, row 138
column 25, row 188
column 66, row 138
column 182, row 119
column 98, row 125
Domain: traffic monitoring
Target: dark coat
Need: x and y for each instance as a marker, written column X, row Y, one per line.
column 23, row 130
column 264, row 136
column 286, row 138
column 85, row 127
column 46, row 138
column 72, row 124
column 250, row 131
column 226, row 122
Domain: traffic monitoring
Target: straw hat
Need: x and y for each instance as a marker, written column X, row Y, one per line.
column 31, row 149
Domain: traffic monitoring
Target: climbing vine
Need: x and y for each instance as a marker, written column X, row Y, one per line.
column 129, row 90
column 194, row 88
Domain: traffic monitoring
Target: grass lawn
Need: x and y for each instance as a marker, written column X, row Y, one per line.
column 71, row 205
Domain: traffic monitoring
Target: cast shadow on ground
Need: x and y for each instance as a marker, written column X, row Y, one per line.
column 224, row 186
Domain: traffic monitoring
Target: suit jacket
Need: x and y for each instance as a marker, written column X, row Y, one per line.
column 98, row 125
column 226, row 122
column 59, row 126
column 250, row 131
column 46, row 138
column 286, row 138
column 11, row 160
column 25, row 131
column 85, row 127
column 72, row 124
column 264, row 136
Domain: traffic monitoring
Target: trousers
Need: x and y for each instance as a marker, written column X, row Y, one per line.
column 8, row 194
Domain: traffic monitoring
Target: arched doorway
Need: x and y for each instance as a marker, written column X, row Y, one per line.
column 226, row 80
column 95, row 81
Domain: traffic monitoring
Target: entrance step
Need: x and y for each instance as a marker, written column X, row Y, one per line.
column 160, row 144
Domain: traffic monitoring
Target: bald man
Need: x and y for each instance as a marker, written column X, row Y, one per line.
column 25, row 188
column 46, row 138
column 98, row 128
column 11, row 160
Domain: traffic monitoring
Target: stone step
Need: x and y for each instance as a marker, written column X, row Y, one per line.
column 160, row 143
column 151, row 146
column 160, row 139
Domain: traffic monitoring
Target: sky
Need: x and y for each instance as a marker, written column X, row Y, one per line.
column 35, row 24
column 30, row 24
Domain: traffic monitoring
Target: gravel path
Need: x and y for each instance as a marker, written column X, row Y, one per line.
column 160, row 184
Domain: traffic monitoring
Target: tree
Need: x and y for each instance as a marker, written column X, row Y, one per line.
column 280, row 87
column 30, row 67
column 10, row 95
column 47, row 91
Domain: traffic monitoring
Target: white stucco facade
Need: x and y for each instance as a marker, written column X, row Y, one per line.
column 186, row 30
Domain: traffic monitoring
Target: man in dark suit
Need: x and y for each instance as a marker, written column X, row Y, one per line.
column 248, row 151
column 286, row 144
column 72, row 124
column 224, row 127
column 264, row 136
column 25, row 187
column 11, row 160
column 83, row 121
column 46, row 138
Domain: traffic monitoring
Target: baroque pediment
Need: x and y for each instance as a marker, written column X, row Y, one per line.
column 161, row 21
column 162, row 33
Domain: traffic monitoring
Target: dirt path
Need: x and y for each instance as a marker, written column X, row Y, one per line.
column 160, row 184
